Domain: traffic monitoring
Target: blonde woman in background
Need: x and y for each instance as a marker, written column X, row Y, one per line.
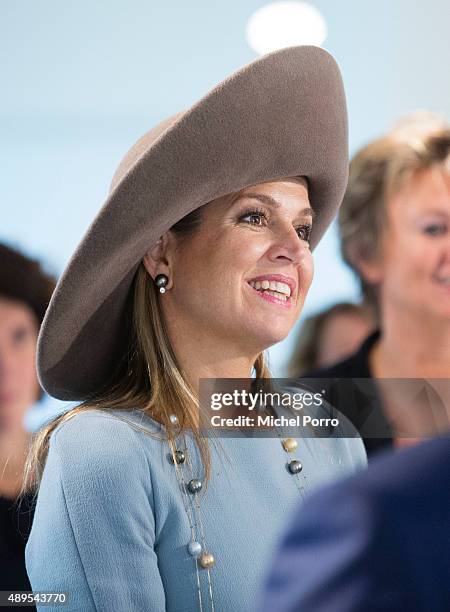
column 394, row 225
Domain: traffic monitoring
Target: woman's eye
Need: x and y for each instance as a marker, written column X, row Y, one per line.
column 435, row 229
column 304, row 232
column 254, row 217
column 19, row 335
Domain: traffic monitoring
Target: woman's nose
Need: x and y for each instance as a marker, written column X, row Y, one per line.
column 444, row 259
column 289, row 246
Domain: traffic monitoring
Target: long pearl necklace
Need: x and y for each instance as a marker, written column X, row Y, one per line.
column 191, row 486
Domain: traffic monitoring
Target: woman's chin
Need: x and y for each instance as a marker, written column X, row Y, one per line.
column 267, row 335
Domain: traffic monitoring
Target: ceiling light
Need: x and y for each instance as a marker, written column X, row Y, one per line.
column 284, row 24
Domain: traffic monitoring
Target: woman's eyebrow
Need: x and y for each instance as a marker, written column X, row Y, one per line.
column 269, row 201
column 436, row 212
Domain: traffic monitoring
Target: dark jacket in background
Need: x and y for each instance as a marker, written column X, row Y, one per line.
column 15, row 525
column 358, row 402
column 378, row 541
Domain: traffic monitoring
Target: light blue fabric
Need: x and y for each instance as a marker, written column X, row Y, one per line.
column 110, row 527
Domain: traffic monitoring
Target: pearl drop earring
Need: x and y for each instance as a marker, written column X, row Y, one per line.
column 161, row 281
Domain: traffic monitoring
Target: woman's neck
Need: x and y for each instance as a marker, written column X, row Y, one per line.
column 210, row 358
column 412, row 346
column 206, row 364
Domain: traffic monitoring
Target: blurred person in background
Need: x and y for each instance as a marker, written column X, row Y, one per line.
column 395, row 234
column 330, row 336
column 25, row 292
column 385, row 547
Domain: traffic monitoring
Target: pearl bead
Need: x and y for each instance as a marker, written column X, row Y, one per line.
column 194, row 549
column 194, row 485
column 295, row 466
column 180, row 457
column 161, row 281
column 206, row 560
column 173, row 419
column 290, row 445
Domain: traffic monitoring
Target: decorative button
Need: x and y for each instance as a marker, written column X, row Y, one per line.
column 289, row 445
column 194, row 485
column 194, row 549
column 295, row 467
column 206, row 560
column 178, row 457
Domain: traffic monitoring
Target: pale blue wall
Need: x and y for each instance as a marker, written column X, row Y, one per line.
column 82, row 80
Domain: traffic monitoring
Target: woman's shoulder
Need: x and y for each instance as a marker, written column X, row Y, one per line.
column 103, row 435
column 80, row 420
column 96, row 467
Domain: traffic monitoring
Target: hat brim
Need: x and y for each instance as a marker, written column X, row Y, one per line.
column 283, row 115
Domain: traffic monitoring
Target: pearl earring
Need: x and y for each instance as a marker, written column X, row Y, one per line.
column 161, row 281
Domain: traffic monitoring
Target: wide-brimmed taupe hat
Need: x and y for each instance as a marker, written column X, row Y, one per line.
column 283, row 115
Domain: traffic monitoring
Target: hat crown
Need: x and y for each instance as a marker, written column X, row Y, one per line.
column 139, row 149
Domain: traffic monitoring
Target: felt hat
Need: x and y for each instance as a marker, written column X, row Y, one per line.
column 282, row 115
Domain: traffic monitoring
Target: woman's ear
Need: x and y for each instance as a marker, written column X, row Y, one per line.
column 157, row 259
column 371, row 269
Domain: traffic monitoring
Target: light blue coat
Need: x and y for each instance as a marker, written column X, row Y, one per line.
column 110, row 527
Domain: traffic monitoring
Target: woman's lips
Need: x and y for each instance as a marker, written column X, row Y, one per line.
column 282, row 278
column 271, row 298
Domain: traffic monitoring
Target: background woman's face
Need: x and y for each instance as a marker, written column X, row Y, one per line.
column 19, row 387
column 414, row 267
column 225, row 274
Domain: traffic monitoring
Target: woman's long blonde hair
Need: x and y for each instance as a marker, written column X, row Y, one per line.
column 148, row 378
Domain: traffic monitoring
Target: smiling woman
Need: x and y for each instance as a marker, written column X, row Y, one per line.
column 210, row 277
column 395, row 229
column 199, row 260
